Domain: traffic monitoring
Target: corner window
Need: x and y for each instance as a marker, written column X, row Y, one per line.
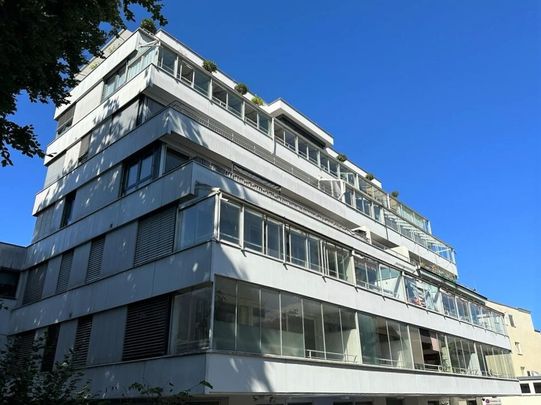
column 196, row 223
column 140, row 169
column 167, row 60
column 67, row 213
column 174, row 159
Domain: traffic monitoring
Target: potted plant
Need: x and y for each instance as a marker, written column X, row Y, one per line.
column 148, row 25
column 257, row 100
column 210, row 66
column 341, row 157
column 394, row 194
column 241, row 88
column 369, row 176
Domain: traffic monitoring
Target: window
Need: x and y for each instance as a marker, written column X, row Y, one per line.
column 414, row 291
column 64, row 273
column 147, row 328
column 391, row 281
column 140, row 170
column 234, row 104
column 297, row 247
column 155, row 235
column 463, row 310
column 449, row 305
column 292, row 330
column 219, row 95
column 49, row 349
column 65, row 120
column 274, row 235
column 114, row 81
column 511, row 320
column 334, row 349
column 253, row 230
column 196, row 223
column 314, row 257
column 84, row 146
column 248, row 318
column 518, row 348
column 174, row 159
column 537, row 387
column 229, row 222
column 191, row 320
column 225, row 305
column 95, row 259
column 313, row 329
column 367, row 273
column 201, row 83
column 525, row 388
column 8, row 283
column 270, row 321
column 68, row 209
column 82, row 341
column 167, row 60
column 34, row 283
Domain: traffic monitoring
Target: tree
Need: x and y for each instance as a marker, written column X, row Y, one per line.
column 22, row 382
column 44, row 43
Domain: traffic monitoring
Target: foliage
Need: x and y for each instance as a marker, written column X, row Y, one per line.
column 156, row 394
column 148, row 24
column 210, row 66
column 341, row 157
column 44, row 44
column 22, row 382
column 395, row 194
column 241, row 88
column 369, row 176
column 257, row 100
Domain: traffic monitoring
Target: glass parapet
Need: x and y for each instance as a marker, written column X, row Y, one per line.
column 253, row 319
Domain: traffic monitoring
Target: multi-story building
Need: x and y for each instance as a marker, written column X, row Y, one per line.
column 525, row 354
column 187, row 232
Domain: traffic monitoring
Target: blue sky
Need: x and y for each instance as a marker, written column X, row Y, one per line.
column 441, row 100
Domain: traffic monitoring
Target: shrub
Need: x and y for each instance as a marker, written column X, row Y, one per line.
column 241, row 88
column 395, row 194
column 148, row 25
column 257, row 100
column 341, row 157
column 209, row 66
column 369, row 176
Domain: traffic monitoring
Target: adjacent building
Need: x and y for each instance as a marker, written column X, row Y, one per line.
column 186, row 232
column 525, row 353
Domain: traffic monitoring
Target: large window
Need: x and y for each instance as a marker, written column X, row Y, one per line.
column 297, row 252
column 191, row 320
column 8, row 283
column 275, row 239
column 229, row 222
column 196, row 223
column 253, row 230
column 140, row 169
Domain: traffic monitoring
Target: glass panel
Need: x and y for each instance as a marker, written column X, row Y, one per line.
column 470, row 356
column 303, row 148
column 297, row 247
column 332, row 264
column 197, row 223
column 191, row 320
column 274, row 239
column 146, row 168
column 431, row 347
column 219, row 95
column 333, row 167
column 414, row 291
column 343, row 262
column 372, row 270
column 313, row 329
column 250, row 115
column 463, row 310
column 253, row 230
column 390, row 281
column 270, row 322
column 229, row 221
column 313, row 154
column 313, row 254
column 374, row 340
column 350, row 336
column 174, row 159
column 455, row 353
column 225, row 300
column 290, row 140
column 186, row 73
column 292, row 331
column 166, row 60
column 378, row 213
column 264, row 123
column 432, row 297
column 248, row 318
column 449, row 305
column 417, row 348
column 234, row 104
column 8, row 283
column 131, row 176
column 444, row 352
column 400, row 344
column 201, row 83
column 361, row 277
column 333, row 333
column 279, row 134
column 348, row 197
column 324, row 162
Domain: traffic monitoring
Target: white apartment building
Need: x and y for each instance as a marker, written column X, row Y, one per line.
column 185, row 233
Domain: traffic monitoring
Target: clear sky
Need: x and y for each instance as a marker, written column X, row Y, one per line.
column 441, row 100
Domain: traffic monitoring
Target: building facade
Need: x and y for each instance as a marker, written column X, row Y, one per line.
column 525, row 353
column 187, row 232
